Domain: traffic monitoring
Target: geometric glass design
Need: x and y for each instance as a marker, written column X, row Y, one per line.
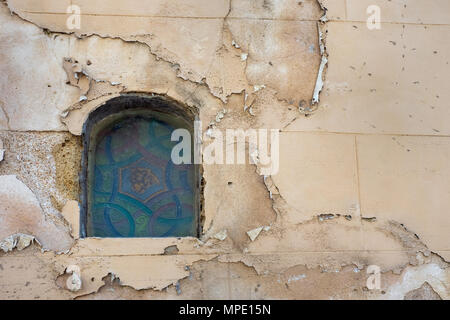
column 134, row 189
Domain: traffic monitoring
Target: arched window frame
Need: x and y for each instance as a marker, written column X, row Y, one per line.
column 134, row 102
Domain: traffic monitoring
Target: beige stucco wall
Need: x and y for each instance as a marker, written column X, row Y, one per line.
column 363, row 178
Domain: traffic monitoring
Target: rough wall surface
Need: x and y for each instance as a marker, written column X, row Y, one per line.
column 364, row 174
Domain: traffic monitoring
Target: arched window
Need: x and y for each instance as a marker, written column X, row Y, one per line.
column 130, row 185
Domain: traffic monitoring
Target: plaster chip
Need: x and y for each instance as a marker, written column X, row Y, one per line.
column 2, row 151
column 253, row 234
column 18, row 240
column 234, row 44
column 256, row 88
column 74, row 282
column 20, row 213
column 77, row 76
column 319, row 81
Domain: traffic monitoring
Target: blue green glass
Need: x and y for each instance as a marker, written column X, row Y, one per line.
column 135, row 190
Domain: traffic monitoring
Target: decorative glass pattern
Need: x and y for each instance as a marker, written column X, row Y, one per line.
column 134, row 189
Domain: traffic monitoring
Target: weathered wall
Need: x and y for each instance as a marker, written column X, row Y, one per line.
column 364, row 174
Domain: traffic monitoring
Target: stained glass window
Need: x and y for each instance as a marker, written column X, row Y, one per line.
column 133, row 187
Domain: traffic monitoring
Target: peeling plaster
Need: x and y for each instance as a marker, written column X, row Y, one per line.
column 17, row 241
column 222, row 235
column 413, row 277
column 74, row 282
column 254, row 233
column 77, row 77
column 281, row 247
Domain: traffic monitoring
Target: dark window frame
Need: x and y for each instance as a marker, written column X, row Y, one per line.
column 127, row 102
